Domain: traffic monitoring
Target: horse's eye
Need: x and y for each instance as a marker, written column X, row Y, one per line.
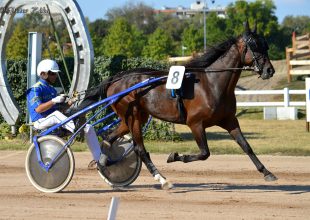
column 252, row 44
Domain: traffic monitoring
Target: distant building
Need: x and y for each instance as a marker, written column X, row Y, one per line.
column 197, row 7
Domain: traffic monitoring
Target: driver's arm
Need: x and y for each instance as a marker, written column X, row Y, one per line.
column 45, row 106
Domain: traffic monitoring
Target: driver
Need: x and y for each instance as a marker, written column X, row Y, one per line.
column 44, row 106
column 42, row 100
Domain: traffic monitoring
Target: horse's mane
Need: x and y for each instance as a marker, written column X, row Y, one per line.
column 211, row 55
column 206, row 59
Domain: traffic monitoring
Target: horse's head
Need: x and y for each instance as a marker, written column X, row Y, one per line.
column 254, row 51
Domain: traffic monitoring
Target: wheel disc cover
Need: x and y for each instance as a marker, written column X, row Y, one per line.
column 123, row 170
column 57, row 174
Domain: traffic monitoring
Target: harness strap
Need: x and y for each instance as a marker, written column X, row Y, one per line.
column 181, row 108
column 173, row 93
column 178, row 95
column 244, row 51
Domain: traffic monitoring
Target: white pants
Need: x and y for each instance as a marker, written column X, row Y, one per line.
column 90, row 133
column 53, row 119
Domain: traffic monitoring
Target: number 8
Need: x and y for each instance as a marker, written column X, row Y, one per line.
column 175, row 77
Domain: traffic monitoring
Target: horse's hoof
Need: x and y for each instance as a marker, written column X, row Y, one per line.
column 167, row 185
column 172, row 157
column 270, row 177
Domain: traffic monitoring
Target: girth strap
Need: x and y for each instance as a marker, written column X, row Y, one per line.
column 180, row 106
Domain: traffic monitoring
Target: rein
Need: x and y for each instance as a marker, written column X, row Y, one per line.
column 112, row 81
column 206, row 70
column 245, row 68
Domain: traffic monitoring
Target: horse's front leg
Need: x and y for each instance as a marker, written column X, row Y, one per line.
column 200, row 136
column 136, row 130
column 233, row 128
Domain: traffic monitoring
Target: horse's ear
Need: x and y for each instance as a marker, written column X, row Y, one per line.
column 255, row 27
column 246, row 27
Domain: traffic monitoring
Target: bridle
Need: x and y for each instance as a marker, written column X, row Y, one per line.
column 251, row 45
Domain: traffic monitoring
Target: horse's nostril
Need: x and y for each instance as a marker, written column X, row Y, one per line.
column 270, row 71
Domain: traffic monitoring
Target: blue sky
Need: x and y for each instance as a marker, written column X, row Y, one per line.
column 95, row 9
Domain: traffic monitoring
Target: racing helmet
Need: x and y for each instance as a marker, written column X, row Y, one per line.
column 47, row 65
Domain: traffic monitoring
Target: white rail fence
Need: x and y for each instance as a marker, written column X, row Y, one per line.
column 285, row 107
column 286, row 98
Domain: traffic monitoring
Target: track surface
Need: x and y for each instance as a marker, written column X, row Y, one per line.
column 224, row 187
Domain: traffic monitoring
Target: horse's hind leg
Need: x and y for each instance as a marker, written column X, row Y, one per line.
column 232, row 126
column 201, row 140
column 121, row 130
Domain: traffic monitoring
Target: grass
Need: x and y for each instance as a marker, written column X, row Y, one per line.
column 257, row 113
column 265, row 137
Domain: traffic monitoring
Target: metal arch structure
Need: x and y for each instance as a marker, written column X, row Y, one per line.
column 81, row 44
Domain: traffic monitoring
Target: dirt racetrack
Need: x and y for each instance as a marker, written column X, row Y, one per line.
column 224, row 187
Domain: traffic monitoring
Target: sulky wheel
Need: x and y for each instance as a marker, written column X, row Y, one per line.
column 126, row 170
column 59, row 175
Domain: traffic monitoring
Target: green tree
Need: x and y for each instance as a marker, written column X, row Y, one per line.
column 138, row 14
column 98, row 30
column 36, row 22
column 216, row 28
column 17, row 46
column 123, row 39
column 263, row 12
column 192, row 39
column 173, row 25
column 236, row 14
column 159, row 45
column 299, row 24
column 33, row 21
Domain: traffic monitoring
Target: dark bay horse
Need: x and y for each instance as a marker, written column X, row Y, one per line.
column 211, row 101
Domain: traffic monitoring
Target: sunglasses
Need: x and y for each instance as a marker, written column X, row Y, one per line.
column 52, row 73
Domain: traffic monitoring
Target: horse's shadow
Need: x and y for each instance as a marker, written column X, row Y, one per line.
column 98, row 191
column 291, row 189
column 220, row 135
column 222, row 187
column 194, row 187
